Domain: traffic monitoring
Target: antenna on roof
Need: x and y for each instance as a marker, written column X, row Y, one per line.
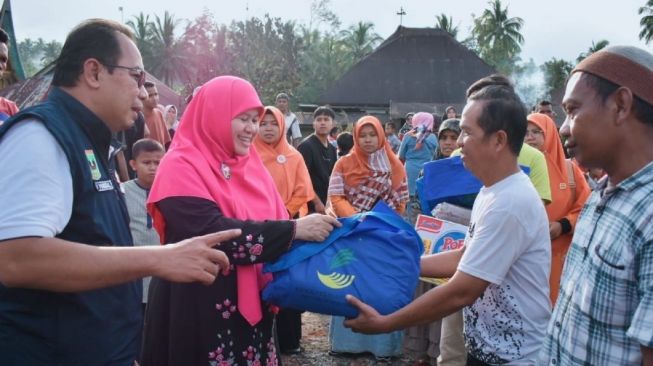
column 401, row 14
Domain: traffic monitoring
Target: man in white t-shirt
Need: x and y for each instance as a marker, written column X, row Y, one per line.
column 292, row 132
column 501, row 277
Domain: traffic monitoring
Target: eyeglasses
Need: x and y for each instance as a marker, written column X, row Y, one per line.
column 140, row 78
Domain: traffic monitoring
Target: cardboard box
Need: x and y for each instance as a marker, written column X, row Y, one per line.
column 439, row 236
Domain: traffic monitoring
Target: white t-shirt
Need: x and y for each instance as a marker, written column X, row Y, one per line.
column 36, row 189
column 293, row 123
column 508, row 245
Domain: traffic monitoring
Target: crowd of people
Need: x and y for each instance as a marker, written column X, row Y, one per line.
column 556, row 269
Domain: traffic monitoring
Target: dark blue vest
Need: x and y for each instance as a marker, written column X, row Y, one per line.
column 99, row 327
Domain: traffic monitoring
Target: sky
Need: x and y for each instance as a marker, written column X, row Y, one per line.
column 552, row 28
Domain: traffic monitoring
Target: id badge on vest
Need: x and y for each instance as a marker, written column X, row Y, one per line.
column 96, row 174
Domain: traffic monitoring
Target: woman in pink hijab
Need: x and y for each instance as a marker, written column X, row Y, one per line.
column 417, row 148
column 212, row 179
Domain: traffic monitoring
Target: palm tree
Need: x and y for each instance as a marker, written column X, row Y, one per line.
column 142, row 27
column 646, row 22
column 498, row 36
column 168, row 59
column 360, row 39
column 593, row 48
column 445, row 23
column 556, row 71
column 51, row 52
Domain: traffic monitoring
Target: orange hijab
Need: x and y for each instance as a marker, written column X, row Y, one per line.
column 356, row 164
column 556, row 165
column 286, row 166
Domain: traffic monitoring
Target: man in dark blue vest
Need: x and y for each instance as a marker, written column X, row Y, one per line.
column 69, row 289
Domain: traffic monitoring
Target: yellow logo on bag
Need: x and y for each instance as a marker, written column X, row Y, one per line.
column 337, row 280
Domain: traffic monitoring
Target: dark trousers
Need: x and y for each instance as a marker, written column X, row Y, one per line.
column 289, row 329
column 472, row 361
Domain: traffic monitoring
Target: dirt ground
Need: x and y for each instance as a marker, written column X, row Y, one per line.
column 315, row 341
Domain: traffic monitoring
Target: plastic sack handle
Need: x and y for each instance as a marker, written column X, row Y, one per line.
column 309, row 249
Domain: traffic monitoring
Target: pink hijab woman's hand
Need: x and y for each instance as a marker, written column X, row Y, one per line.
column 315, row 227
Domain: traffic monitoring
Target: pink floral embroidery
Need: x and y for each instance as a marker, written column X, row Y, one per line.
column 256, row 249
column 217, row 355
column 228, row 308
column 249, row 237
column 272, row 354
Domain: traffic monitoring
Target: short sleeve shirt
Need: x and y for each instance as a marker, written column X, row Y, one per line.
column 508, row 245
column 539, row 174
column 37, row 201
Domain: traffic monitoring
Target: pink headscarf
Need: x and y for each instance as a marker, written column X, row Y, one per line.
column 422, row 123
column 422, row 119
column 194, row 167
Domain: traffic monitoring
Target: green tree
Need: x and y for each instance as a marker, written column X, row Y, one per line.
column 445, row 23
column 142, row 27
column 593, row 48
column 646, row 23
column 359, row 40
column 556, row 71
column 27, row 52
column 169, row 62
column 322, row 62
column 35, row 55
column 266, row 50
column 51, row 52
column 498, row 36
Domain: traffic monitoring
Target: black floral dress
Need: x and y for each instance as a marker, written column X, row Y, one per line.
column 193, row 324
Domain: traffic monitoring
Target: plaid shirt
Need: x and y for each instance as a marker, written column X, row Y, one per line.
column 604, row 312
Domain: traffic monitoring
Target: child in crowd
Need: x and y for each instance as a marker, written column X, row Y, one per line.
column 391, row 135
column 333, row 136
column 345, row 142
column 146, row 155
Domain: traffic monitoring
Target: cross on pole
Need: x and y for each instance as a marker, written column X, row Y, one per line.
column 401, row 14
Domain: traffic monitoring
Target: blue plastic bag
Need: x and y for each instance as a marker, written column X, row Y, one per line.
column 373, row 256
column 447, row 180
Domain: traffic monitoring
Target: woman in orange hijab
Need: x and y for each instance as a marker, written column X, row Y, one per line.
column 371, row 172
column 284, row 162
column 569, row 191
column 288, row 170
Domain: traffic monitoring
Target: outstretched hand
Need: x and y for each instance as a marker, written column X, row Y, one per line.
column 196, row 259
column 369, row 321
